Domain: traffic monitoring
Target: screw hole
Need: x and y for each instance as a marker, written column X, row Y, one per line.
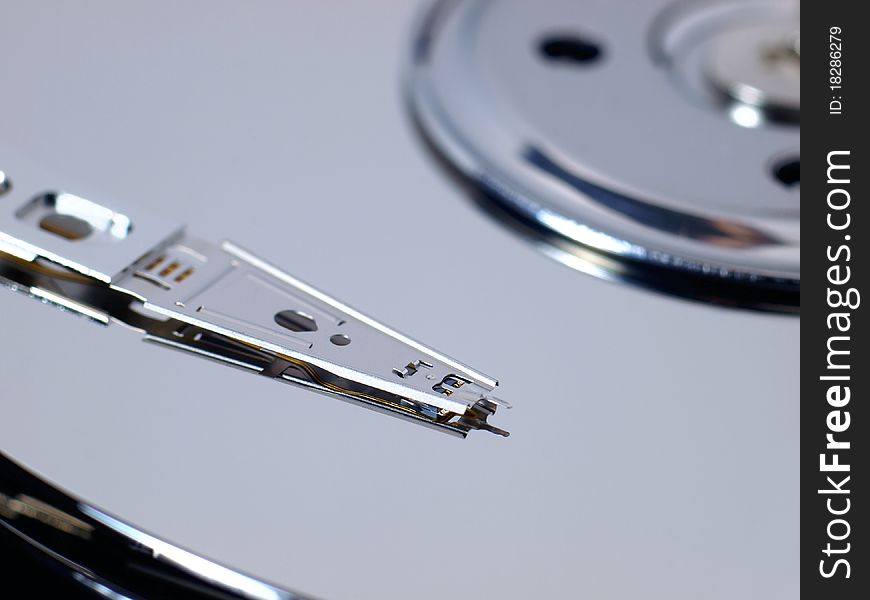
column 73, row 218
column 295, row 320
column 339, row 339
column 573, row 49
column 788, row 172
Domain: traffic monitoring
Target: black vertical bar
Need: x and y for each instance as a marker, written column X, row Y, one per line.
column 835, row 222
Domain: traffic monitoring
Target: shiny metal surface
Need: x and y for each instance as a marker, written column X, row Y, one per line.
column 101, row 255
column 111, row 557
column 653, row 442
column 612, row 131
column 759, row 66
column 224, row 303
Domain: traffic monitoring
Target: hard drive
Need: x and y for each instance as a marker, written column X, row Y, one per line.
column 596, row 202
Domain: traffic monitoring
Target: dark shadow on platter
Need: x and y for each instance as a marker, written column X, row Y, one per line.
column 57, row 546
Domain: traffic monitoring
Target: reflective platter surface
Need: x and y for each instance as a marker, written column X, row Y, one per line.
column 653, row 448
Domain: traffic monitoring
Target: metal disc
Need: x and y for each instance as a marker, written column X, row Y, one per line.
column 278, row 125
column 669, row 139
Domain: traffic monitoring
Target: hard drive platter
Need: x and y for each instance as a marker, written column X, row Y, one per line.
column 653, row 438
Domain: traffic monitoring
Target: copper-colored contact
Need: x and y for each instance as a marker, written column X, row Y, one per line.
column 169, row 268
column 184, row 275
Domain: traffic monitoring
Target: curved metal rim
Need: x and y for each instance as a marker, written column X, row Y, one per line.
column 107, row 555
column 781, row 297
column 449, row 149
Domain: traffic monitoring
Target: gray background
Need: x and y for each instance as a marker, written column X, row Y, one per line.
column 655, row 441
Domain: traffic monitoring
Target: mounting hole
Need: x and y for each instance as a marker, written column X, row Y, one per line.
column 788, row 172
column 570, row 49
column 66, row 226
column 339, row 339
column 295, row 320
column 74, row 218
